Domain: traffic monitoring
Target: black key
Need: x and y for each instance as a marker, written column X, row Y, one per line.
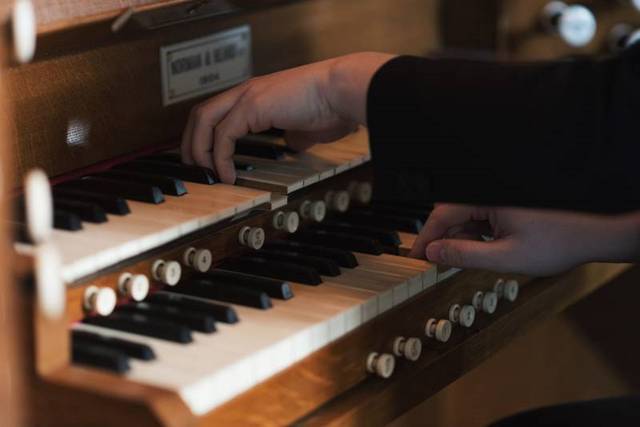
column 111, row 204
column 400, row 223
column 167, row 184
column 220, row 312
column 343, row 258
column 143, row 325
column 129, row 190
column 325, row 266
column 87, row 211
column 340, row 240
column 176, row 158
column 130, row 348
column 249, row 146
column 274, row 288
column 99, row 356
column 65, row 220
column 391, row 250
column 274, row 269
column 386, row 237
column 233, row 294
column 190, row 173
column 195, row 321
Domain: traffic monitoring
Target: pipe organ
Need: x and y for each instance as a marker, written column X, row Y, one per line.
column 151, row 294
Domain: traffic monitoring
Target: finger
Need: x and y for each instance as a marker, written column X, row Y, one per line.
column 299, row 140
column 442, row 218
column 496, row 255
column 233, row 126
column 206, row 117
column 187, row 135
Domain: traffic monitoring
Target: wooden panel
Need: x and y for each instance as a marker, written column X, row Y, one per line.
column 584, row 353
column 378, row 402
column 111, row 93
column 12, row 352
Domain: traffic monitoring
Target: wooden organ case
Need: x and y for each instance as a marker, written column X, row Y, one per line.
column 286, row 299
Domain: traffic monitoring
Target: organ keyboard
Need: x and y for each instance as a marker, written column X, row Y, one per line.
column 190, row 302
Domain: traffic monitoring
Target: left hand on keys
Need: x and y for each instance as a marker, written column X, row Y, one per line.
column 528, row 241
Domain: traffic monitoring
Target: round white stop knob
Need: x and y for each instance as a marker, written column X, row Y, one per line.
column 252, row 237
column 511, row 290
column 463, row 315
column 622, row 36
column 288, row 221
column 438, row 329
column 39, row 206
column 315, row 210
column 361, row 191
column 99, row 300
column 575, row 24
column 167, row 272
column 409, row 348
column 337, row 200
column 382, row 365
column 198, row 259
column 487, row 302
column 135, row 286
column 23, row 21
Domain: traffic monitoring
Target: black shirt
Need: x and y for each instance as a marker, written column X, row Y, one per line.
column 550, row 134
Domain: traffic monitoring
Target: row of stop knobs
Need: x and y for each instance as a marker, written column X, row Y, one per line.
column 410, row 348
column 102, row 300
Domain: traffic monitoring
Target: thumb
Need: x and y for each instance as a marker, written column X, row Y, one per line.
column 493, row 255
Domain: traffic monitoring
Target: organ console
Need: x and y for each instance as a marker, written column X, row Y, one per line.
column 152, row 294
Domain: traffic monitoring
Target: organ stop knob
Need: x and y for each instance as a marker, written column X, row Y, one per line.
column 315, row 210
column 361, row 192
column 507, row 289
column 463, row 315
column 622, row 36
column 39, row 206
column 252, row 237
column 409, row 348
column 487, row 302
column 135, row 286
column 382, row 365
column 198, row 259
column 575, row 24
column 288, row 221
column 337, row 200
column 99, row 300
column 438, row 329
column 167, row 272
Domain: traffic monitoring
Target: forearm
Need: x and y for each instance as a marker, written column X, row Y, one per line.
column 556, row 135
column 348, row 82
column 612, row 239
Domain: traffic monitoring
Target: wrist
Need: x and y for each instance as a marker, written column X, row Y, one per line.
column 348, row 82
column 617, row 239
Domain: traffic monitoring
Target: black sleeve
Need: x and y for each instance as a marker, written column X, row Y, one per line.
column 550, row 134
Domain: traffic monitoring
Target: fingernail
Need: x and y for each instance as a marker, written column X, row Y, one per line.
column 436, row 252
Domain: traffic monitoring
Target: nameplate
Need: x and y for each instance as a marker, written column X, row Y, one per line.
column 205, row 65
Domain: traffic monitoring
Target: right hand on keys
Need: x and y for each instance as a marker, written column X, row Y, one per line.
column 315, row 103
column 529, row 241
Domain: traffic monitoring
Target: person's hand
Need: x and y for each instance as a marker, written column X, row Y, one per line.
column 314, row 103
column 527, row 241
